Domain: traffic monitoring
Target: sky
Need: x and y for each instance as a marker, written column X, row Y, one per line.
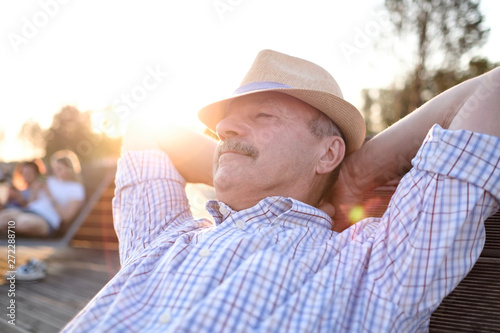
column 164, row 60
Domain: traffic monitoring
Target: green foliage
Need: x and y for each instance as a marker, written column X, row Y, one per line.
column 383, row 107
column 71, row 129
column 445, row 31
column 449, row 27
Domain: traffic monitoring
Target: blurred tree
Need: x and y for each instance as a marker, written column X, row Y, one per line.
column 71, row 129
column 444, row 31
column 383, row 107
column 33, row 134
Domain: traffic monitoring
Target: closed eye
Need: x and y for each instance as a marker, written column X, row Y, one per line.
column 264, row 115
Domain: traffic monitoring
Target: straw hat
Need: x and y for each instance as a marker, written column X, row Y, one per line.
column 274, row 71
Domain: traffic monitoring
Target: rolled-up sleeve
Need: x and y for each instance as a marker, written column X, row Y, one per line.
column 149, row 199
column 433, row 231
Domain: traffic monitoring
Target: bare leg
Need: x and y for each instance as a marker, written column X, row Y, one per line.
column 29, row 224
column 6, row 215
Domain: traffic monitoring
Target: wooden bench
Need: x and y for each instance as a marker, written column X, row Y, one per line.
column 474, row 306
column 97, row 231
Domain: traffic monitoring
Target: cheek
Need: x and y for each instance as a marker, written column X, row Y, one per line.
column 298, row 156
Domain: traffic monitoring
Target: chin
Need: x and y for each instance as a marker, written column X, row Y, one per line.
column 224, row 180
column 228, row 194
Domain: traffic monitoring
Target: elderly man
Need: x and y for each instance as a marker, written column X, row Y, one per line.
column 270, row 261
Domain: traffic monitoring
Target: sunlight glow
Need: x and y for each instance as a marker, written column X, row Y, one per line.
column 175, row 57
column 357, row 214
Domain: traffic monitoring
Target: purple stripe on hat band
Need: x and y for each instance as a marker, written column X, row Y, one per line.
column 259, row 85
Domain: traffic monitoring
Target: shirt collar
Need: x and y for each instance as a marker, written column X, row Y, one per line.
column 285, row 211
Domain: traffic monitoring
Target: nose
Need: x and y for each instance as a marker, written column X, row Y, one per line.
column 230, row 126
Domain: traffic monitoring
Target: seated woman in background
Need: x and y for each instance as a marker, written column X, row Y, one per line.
column 55, row 201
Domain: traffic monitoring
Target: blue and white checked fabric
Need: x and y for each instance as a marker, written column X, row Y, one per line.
column 278, row 267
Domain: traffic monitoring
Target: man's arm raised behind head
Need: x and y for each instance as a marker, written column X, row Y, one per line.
column 481, row 110
column 472, row 105
column 191, row 152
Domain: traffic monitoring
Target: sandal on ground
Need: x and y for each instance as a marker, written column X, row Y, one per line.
column 33, row 270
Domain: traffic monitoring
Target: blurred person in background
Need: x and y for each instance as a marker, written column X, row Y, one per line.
column 27, row 181
column 41, row 207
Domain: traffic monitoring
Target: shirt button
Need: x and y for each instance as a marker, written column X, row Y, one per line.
column 240, row 224
column 165, row 318
column 222, row 209
column 205, row 252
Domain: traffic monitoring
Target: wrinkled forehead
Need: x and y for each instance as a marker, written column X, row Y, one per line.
column 286, row 105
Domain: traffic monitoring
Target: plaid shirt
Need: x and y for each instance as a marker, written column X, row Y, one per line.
column 278, row 266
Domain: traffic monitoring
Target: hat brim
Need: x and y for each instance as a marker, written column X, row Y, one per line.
column 344, row 114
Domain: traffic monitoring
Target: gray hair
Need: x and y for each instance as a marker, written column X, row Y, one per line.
column 323, row 126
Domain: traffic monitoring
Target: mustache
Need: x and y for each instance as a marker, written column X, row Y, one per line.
column 237, row 147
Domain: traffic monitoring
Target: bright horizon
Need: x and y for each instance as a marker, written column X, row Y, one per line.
column 164, row 59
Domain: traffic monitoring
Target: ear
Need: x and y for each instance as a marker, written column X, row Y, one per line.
column 333, row 154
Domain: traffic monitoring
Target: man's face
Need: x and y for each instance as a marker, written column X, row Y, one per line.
column 266, row 148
